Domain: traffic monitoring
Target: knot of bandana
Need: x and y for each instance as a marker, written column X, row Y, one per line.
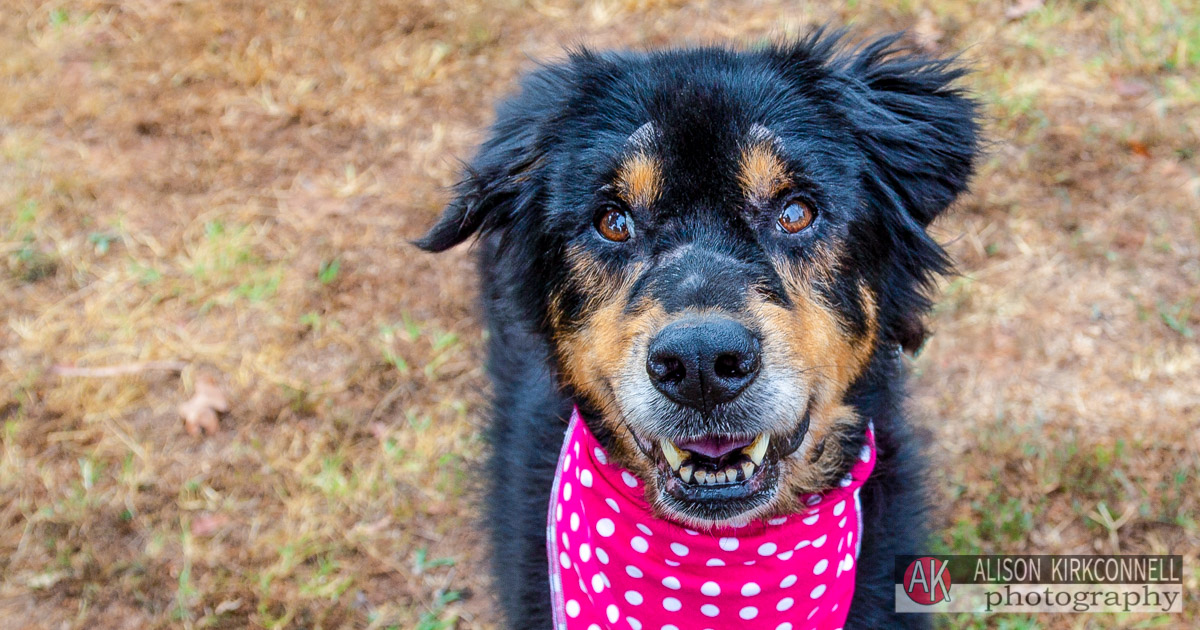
column 614, row 565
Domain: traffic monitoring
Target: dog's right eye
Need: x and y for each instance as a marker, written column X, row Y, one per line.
column 614, row 224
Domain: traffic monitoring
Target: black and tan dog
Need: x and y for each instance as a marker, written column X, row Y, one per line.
column 708, row 250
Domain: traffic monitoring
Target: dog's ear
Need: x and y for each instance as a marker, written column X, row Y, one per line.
column 506, row 176
column 918, row 128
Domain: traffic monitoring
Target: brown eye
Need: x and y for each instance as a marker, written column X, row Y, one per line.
column 796, row 216
column 614, row 225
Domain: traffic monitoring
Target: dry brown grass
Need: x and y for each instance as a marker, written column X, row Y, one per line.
column 230, row 184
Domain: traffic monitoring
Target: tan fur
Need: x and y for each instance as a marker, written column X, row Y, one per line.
column 817, row 343
column 761, row 173
column 639, row 180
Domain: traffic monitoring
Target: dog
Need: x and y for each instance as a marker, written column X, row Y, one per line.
column 711, row 260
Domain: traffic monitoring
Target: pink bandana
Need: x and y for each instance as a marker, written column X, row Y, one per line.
column 615, row 565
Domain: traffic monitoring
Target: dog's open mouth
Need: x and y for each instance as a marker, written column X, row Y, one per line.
column 719, row 477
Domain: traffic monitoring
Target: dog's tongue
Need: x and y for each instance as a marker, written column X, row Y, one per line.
column 713, row 446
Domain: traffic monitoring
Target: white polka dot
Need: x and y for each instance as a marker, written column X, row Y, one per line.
column 567, row 491
column 802, row 544
column 710, row 588
column 612, row 613
column 777, row 521
column 787, row 581
column 784, row 604
column 691, row 533
column 864, row 454
column 820, row 542
column 572, row 609
column 813, row 612
column 605, row 527
column 671, row 563
column 715, row 562
column 784, row 626
column 585, row 552
column 613, row 504
column 708, row 610
column 820, row 567
column 842, row 523
column 728, row 544
column 847, row 480
column 629, row 479
column 671, row 582
column 817, row 591
column 600, row 456
column 566, row 462
column 593, row 627
column 767, row 549
column 585, row 478
column 601, row 555
column 750, row 589
column 671, row 604
column 634, row 623
column 576, row 448
column 839, row 508
column 564, row 560
column 749, row 563
column 848, row 561
column 748, row 612
column 670, row 627
column 633, row 597
column 558, row 512
column 566, row 543
column 639, row 544
column 575, row 522
column 597, row 583
column 680, row 550
column 811, row 520
column 645, row 530
column 633, row 571
column 812, row 499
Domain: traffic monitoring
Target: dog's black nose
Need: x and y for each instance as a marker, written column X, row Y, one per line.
column 703, row 362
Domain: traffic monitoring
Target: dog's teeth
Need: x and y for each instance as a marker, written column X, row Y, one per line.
column 671, row 452
column 747, row 469
column 758, row 449
column 721, row 477
column 731, row 475
column 685, row 473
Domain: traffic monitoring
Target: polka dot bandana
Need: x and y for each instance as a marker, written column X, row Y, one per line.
column 614, row 565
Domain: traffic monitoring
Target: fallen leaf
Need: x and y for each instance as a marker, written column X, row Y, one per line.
column 200, row 412
column 208, row 524
column 1139, row 148
column 1021, row 8
column 1130, row 88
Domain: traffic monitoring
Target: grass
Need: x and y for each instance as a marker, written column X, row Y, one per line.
column 230, row 187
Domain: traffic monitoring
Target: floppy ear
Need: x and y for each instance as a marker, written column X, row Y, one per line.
column 919, row 130
column 505, row 179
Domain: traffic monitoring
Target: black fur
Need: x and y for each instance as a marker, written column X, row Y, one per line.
column 883, row 135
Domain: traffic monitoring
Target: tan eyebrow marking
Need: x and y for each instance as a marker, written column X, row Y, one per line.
column 762, row 174
column 639, row 179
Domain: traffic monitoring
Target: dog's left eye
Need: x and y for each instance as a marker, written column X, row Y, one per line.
column 614, row 224
column 796, row 216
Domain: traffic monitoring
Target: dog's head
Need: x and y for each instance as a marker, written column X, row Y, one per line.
column 715, row 244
